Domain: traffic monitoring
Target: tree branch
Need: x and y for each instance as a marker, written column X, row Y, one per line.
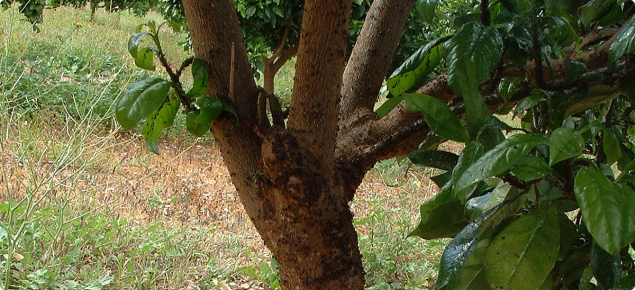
column 367, row 139
column 320, row 64
column 372, row 54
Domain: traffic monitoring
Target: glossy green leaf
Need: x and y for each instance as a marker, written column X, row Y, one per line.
column 494, row 162
column 624, row 43
column 441, row 217
column 145, row 59
column 472, row 274
column 595, row 10
column 415, row 70
column 158, row 120
column 508, row 87
column 195, row 128
column 227, row 107
column 200, row 74
column 564, row 143
column 388, row 105
column 442, row 179
column 531, row 168
column 522, row 255
column 457, row 253
column 434, row 158
column 210, row 110
column 140, row 100
column 427, row 9
column 438, row 115
column 475, row 51
column 607, row 209
column 605, row 266
column 472, row 152
column 611, row 147
column 133, row 43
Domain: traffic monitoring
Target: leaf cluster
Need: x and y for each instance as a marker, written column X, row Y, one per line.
column 547, row 204
column 156, row 101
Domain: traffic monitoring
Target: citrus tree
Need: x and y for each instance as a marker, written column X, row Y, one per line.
column 544, row 202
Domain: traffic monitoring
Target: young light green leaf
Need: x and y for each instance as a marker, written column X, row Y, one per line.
column 522, row 255
column 200, row 74
column 475, row 51
column 438, row 115
column 624, row 43
column 434, row 158
column 388, row 105
column 605, row 266
column 564, row 143
column 441, row 217
column 607, row 209
column 195, row 128
column 145, row 59
column 158, row 120
column 133, row 43
column 416, row 68
column 427, row 9
column 494, row 162
column 141, row 100
column 457, row 253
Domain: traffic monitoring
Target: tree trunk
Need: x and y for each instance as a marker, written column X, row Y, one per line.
column 287, row 178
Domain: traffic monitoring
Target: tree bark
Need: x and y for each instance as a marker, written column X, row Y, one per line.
column 286, row 177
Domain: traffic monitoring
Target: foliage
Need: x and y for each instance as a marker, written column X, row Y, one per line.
column 547, row 205
column 158, row 100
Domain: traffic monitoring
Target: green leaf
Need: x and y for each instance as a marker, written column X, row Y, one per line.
column 535, row 98
column 472, row 152
column 438, row 115
column 441, row 217
column 475, row 51
column 575, row 70
column 564, row 143
column 133, row 43
column 158, row 120
column 200, row 74
column 607, row 209
column 141, row 100
column 522, row 255
column 415, row 70
column 605, row 266
column 508, row 87
column 388, row 105
column 626, row 283
column 624, row 43
column 476, row 206
column 494, row 162
column 145, row 59
column 611, row 147
column 531, row 168
column 427, row 9
column 457, row 253
column 434, row 158
column 210, row 110
column 472, row 274
column 195, row 128
column 595, row 10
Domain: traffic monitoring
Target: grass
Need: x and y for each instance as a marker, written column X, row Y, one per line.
column 85, row 206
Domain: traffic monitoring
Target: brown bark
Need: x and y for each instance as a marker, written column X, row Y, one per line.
column 372, row 55
column 285, row 178
column 318, row 79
